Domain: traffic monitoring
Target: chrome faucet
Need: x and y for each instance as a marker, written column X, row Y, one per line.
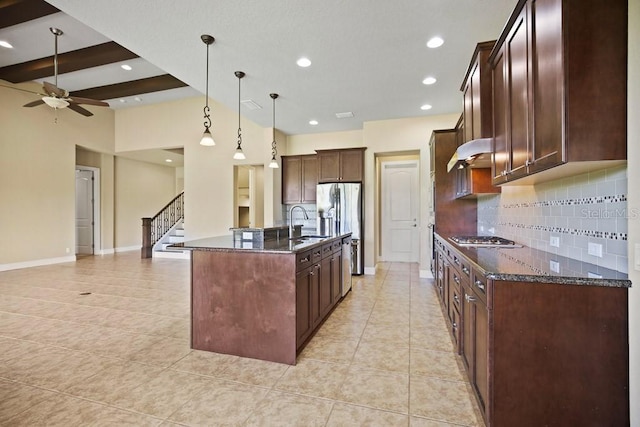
column 306, row 216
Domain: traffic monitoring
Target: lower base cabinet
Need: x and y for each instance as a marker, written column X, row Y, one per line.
column 542, row 354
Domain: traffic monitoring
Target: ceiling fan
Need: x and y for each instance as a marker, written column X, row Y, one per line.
column 56, row 97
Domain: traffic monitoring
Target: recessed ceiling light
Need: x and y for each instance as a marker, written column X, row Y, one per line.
column 123, row 101
column 345, row 115
column 313, row 122
column 435, row 42
column 126, row 67
column 168, row 160
column 429, row 80
column 303, row 62
column 6, row 44
column 426, row 107
column 137, row 98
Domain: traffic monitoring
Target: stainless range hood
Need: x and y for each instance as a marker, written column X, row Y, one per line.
column 476, row 151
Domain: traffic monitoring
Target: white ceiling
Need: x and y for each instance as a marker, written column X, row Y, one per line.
column 368, row 56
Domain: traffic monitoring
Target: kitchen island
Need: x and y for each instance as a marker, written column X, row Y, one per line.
column 262, row 299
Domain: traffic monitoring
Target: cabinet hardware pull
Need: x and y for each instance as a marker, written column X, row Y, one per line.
column 465, row 270
column 469, row 298
column 311, row 273
column 455, row 325
column 456, row 279
column 480, row 285
column 305, row 259
column 456, row 299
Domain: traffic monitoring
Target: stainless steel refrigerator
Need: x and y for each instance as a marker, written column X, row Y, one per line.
column 340, row 209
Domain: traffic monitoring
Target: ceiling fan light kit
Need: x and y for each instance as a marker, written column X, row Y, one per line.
column 55, row 97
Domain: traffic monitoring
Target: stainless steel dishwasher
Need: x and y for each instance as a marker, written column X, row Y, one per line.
column 346, row 265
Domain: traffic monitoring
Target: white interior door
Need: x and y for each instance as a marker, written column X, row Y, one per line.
column 84, row 212
column 399, row 217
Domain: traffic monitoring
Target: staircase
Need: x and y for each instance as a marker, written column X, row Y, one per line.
column 175, row 235
column 163, row 230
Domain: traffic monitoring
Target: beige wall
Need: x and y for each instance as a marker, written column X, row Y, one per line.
column 633, row 170
column 37, row 178
column 141, row 190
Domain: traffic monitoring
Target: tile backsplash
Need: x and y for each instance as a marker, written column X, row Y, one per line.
column 308, row 225
column 581, row 214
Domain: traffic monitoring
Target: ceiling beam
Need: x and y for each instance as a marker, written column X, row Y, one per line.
column 13, row 12
column 92, row 56
column 131, row 88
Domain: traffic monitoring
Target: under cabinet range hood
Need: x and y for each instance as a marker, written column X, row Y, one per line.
column 476, row 151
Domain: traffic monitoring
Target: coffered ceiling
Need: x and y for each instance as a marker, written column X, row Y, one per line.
column 367, row 57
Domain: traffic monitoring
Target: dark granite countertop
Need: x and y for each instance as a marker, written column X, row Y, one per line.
column 525, row 264
column 229, row 244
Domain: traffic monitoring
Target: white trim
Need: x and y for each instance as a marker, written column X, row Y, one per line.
column 37, row 263
column 97, row 225
column 426, row 274
column 127, row 249
column 370, row 271
column 105, row 252
column 172, row 254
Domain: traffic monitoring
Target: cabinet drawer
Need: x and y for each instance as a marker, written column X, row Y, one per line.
column 304, row 260
column 327, row 249
column 336, row 246
column 480, row 286
column 316, row 254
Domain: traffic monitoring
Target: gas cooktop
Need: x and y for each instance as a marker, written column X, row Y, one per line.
column 484, row 241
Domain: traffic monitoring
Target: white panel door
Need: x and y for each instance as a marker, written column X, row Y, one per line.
column 84, row 212
column 400, row 197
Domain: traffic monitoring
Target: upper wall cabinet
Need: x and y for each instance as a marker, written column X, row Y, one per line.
column 476, row 123
column 299, row 179
column 559, row 90
column 344, row 165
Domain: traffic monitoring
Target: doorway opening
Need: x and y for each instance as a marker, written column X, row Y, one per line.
column 87, row 211
column 248, row 206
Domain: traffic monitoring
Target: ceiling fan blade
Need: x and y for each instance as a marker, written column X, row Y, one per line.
column 88, row 101
column 23, row 90
column 79, row 109
column 34, row 103
column 54, row 90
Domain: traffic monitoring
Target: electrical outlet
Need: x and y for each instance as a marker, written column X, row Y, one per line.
column 554, row 266
column 554, row 241
column 595, row 249
column 67, row 250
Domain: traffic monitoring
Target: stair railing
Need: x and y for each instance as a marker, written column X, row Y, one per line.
column 154, row 228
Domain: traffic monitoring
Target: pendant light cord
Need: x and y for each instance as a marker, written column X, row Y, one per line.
column 207, row 118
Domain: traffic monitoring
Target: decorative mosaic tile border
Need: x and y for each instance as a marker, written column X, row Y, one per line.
column 569, row 202
column 572, row 231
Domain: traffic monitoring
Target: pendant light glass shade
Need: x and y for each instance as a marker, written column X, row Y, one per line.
column 239, row 154
column 207, row 138
column 274, row 163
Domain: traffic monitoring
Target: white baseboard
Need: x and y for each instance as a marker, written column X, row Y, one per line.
column 105, row 252
column 370, row 271
column 128, row 248
column 37, row 263
column 426, row 274
column 172, row 254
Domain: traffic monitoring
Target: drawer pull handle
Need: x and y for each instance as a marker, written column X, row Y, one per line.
column 465, row 270
column 456, row 279
column 480, row 285
column 456, row 299
column 305, row 259
column 470, row 298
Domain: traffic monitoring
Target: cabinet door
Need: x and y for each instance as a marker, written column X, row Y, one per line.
column 291, row 181
column 309, row 178
column 548, row 85
column 326, row 302
column 481, row 359
column 336, row 278
column 303, row 305
column 467, row 111
column 351, row 164
column 500, row 159
column 328, row 166
column 468, row 329
column 518, row 95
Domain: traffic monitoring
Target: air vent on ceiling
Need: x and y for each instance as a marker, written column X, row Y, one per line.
column 251, row 104
column 345, row 115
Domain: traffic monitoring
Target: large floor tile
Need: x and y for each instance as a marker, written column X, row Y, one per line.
column 376, row 389
column 16, row 398
column 314, row 378
column 438, row 364
column 280, row 409
column 344, row 415
column 443, row 400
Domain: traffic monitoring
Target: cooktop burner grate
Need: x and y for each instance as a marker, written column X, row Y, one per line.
column 483, row 241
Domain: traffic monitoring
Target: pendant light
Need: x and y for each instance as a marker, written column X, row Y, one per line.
column 207, row 138
column 274, row 163
column 239, row 154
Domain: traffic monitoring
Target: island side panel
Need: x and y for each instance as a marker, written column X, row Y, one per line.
column 244, row 303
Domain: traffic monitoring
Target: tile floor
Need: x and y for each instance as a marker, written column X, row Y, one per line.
column 105, row 341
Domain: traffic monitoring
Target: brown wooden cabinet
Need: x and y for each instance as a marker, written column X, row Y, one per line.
column 540, row 353
column 476, row 122
column 299, row 179
column 559, row 68
column 344, row 165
